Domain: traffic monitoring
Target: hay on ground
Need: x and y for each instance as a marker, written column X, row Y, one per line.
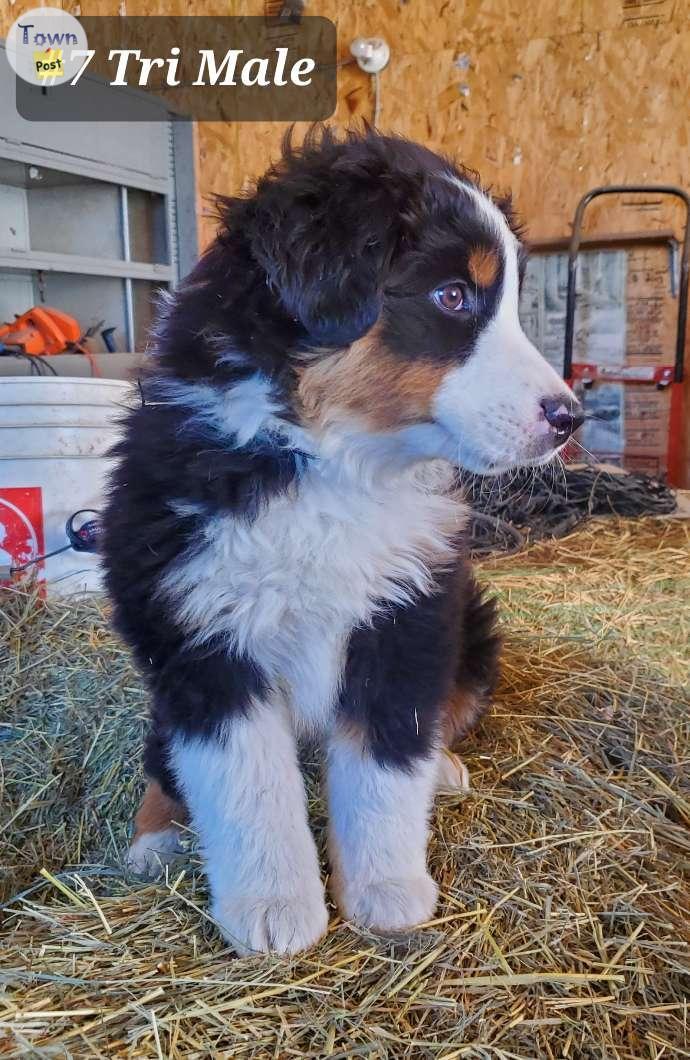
column 562, row 929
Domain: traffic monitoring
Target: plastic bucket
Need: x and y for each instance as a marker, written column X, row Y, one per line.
column 54, row 437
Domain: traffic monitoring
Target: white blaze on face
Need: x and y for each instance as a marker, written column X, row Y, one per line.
column 491, row 404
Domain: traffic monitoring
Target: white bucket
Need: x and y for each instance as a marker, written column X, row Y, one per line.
column 54, row 436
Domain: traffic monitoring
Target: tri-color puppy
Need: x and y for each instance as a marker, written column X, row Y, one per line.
column 284, row 539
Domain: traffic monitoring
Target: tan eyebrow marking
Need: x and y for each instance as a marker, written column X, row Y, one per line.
column 483, row 265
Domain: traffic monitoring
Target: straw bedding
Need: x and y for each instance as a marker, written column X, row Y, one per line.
column 562, row 929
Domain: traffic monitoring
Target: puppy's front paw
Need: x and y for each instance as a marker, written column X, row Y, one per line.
column 278, row 924
column 392, row 905
column 452, row 774
column 152, row 851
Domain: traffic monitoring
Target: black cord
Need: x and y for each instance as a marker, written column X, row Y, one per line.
column 37, row 364
column 551, row 502
column 490, row 534
column 46, row 366
column 33, row 368
column 37, row 559
column 82, row 539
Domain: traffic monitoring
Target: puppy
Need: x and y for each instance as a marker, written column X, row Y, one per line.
column 284, row 538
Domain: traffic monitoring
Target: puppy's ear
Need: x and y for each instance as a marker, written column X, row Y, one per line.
column 325, row 241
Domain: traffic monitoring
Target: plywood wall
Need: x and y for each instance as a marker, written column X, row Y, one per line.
column 547, row 99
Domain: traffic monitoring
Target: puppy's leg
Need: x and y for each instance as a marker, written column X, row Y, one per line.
column 379, row 831
column 245, row 793
column 475, row 679
column 157, row 837
column 459, row 713
column 383, row 760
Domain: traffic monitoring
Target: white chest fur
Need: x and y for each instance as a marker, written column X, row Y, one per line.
column 287, row 588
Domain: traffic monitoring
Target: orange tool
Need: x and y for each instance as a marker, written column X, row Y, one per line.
column 43, row 331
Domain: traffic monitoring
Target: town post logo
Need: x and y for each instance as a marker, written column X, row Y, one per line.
column 46, row 46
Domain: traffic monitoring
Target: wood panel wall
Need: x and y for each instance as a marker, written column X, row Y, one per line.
column 546, row 99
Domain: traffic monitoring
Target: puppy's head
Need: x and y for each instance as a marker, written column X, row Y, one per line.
column 403, row 277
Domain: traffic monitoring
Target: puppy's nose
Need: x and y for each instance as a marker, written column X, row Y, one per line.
column 562, row 418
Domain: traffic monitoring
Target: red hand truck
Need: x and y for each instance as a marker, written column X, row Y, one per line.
column 661, row 376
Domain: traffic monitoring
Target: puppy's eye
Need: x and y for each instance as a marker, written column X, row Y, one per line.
column 450, row 297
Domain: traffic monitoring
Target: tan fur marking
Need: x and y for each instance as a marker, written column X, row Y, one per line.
column 157, row 811
column 368, row 381
column 460, row 713
column 483, row 266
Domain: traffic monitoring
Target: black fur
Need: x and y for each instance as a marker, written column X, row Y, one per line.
column 401, row 669
column 156, row 766
column 479, row 642
column 398, row 672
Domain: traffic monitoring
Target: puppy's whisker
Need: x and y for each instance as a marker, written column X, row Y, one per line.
column 591, row 457
column 564, row 476
column 532, row 485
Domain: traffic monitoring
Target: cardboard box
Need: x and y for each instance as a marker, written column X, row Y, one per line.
column 646, row 421
column 651, row 310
